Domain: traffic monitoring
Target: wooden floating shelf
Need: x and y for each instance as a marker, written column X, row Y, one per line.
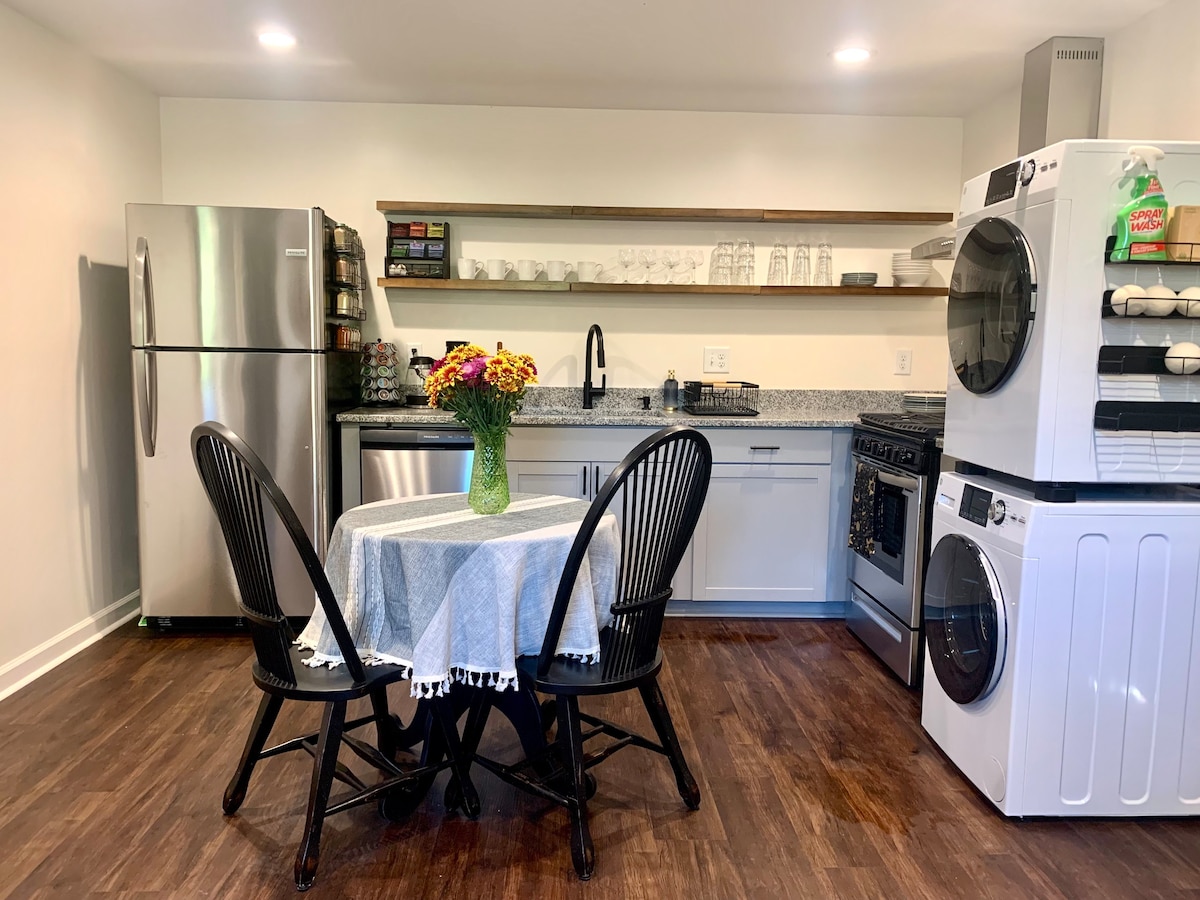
column 665, row 214
column 579, row 287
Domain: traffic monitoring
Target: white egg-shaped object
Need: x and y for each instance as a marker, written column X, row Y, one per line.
column 1121, row 300
column 1160, row 300
column 1183, row 358
column 1188, row 303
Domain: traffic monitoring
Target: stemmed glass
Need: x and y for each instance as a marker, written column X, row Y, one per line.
column 628, row 259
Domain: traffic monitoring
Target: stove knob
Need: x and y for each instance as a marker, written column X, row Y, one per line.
column 997, row 511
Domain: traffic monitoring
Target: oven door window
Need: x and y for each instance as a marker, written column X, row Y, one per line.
column 965, row 629
column 891, row 524
column 992, row 299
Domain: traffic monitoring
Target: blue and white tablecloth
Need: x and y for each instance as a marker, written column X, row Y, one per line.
column 430, row 585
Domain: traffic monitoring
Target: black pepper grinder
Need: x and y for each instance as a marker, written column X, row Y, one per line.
column 670, row 392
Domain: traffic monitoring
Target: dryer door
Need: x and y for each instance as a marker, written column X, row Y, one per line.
column 993, row 290
column 965, row 627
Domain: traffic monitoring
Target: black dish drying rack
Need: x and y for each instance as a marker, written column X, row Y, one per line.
column 720, row 398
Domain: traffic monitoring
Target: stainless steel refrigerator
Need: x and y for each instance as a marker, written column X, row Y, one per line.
column 228, row 313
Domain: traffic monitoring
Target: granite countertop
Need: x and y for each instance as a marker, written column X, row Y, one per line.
column 622, row 406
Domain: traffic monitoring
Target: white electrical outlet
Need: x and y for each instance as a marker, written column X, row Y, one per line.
column 903, row 362
column 716, row 360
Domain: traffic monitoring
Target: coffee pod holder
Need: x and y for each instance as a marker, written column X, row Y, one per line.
column 382, row 375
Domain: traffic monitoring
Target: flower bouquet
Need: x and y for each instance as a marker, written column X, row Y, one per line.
column 483, row 392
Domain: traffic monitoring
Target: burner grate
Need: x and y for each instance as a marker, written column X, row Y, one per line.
column 926, row 425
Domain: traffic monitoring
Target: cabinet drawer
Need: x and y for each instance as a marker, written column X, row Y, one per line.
column 770, row 445
column 732, row 445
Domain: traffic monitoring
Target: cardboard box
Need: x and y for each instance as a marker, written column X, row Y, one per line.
column 1183, row 234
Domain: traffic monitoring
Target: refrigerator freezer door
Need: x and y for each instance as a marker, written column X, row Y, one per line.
column 275, row 401
column 225, row 277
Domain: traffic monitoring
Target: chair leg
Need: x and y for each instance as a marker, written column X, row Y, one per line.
column 460, row 763
column 477, row 716
column 328, row 744
column 570, row 738
column 264, row 721
column 387, row 728
column 656, row 706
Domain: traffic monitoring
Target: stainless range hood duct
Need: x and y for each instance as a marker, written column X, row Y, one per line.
column 1060, row 92
column 1060, row 100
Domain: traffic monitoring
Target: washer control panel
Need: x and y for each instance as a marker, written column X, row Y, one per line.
column 981, row 505
column 975, row 504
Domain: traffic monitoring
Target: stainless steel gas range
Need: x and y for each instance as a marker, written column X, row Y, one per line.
column 897, row 462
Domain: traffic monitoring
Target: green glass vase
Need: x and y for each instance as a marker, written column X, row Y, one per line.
column 489, row 475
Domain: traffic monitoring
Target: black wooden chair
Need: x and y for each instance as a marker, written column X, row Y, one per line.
column 657, row 493
column 236, row 481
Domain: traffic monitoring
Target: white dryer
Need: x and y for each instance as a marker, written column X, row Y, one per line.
column 1062, row 665
column 1027, row 298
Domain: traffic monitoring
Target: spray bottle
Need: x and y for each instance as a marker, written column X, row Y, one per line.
column 1142, row 222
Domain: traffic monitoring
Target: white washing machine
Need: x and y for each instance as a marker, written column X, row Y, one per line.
column 1028, row 294
column 1062, row 665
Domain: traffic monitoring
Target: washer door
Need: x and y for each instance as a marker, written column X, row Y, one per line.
column 965, row 627
column 993, row 292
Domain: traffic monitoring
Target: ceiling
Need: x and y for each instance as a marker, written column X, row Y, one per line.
column 931, row 57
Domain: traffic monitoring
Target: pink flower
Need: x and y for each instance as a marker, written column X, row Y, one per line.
column 473, row 369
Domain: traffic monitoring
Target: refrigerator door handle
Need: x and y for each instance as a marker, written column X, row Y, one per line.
column 145, row 373
column 143, row 288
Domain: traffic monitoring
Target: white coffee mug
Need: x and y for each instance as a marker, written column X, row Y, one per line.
column 587, row 270
column 469, row 268
column 528, row 269
column 498, row 269
column 557, row 270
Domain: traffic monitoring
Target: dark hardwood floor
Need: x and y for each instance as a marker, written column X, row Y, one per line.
column 817, row 782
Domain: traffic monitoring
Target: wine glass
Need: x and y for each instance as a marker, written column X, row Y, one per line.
column 628, row 259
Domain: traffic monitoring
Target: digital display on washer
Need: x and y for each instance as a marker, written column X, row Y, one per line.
column 975, row 504
column 1002, row 185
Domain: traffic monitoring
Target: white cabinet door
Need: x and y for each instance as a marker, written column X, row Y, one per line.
column 567, row 479
column 763, row 535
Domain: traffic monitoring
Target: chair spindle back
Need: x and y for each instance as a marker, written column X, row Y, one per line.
column 235, row 479
column 657, row 492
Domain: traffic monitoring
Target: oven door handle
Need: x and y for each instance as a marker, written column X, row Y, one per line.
column 900, row 481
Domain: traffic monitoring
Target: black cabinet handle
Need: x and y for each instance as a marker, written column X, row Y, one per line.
column 772, row 449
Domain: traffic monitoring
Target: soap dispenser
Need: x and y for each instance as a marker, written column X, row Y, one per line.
column 670, row 392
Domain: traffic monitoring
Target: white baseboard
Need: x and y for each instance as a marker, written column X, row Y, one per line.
column 34, row 663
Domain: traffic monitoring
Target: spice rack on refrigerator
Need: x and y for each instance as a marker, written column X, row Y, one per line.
column 344, row 286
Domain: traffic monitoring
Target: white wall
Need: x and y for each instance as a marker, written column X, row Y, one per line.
column 1152, row 77
column 990, row 134
column 78, row 141
column 344, row 157
column 1150, row 90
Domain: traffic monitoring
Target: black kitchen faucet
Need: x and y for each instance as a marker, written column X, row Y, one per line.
column 590, row 392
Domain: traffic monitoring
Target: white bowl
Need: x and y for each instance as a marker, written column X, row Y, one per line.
column 910, row 280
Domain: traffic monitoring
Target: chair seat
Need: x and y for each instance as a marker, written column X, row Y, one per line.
column 570, row 676
column 325, row 683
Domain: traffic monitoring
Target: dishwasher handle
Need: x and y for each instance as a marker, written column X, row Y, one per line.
column 417, row 438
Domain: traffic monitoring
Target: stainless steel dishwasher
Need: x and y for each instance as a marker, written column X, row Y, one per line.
column 415, row 460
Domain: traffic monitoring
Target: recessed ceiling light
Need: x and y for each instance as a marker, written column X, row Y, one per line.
column 276, row 40
column 852, row 55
